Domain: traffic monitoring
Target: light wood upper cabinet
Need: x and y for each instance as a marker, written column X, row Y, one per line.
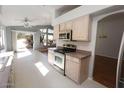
column 72, row 70
column 68, row 25
column 62, row 27
column 56, row 32
column 80, row 28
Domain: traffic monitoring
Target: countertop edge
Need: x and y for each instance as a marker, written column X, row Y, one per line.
column 83, row 54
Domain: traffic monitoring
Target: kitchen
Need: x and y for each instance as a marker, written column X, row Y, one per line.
column 74, row 62
column 78, row 46
column 75, row 35
column 67, row 57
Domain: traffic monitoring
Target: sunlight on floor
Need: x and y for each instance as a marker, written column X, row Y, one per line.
column 24, row 53
column 43, row 70
column 9, row 61
column 1, row 65
column 4, row 54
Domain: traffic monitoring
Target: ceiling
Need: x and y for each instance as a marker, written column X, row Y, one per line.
column 10, row 15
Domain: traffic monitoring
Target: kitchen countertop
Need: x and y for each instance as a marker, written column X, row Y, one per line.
column 79, row 54
column 52, row 48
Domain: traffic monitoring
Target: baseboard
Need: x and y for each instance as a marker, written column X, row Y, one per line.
column 90, row 78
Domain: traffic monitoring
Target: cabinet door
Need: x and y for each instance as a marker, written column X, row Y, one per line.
column 72, row 70
column 81, row 28
column 50, row 57
column 56, row 32
column 69, row 25
column 62, row 27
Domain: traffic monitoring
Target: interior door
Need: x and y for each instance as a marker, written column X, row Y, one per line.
column 120, row 66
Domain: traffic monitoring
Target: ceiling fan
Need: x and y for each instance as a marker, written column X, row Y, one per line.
column 26, row 21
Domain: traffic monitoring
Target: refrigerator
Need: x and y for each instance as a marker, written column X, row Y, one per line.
column 120, row 66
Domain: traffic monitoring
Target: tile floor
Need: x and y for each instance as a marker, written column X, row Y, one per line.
column 33, row 71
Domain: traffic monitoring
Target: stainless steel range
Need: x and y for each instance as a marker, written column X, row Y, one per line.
column 60, row 55
column 66, row 49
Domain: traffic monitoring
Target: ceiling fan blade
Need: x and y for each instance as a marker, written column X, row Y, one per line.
column 21, row 20
column 26, row 20
column 31, row 20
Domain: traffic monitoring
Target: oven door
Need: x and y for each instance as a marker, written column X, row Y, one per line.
column 59, row 60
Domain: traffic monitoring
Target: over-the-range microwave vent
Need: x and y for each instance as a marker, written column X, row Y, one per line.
column 67, row 35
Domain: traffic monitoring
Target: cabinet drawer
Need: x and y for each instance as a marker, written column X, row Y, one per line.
column 69, row 58
column 51, row 58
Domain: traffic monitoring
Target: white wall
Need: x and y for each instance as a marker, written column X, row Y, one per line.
column 36, row 40
column 14, row 38
column 80, row 45
column 8, row 39
column 113, row 28
column 5, row 41
column 80, row 11
column 5, row 38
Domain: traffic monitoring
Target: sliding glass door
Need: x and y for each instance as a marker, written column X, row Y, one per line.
column 47, row 37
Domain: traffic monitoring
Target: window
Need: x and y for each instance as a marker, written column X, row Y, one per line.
column 1, row 38
column 47, row 37
column 43, row 30
column 50, row 31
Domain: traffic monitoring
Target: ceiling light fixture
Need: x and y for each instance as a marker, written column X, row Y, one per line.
column 27, row 25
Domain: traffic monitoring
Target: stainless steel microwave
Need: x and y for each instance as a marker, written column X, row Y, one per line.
column 67, row 35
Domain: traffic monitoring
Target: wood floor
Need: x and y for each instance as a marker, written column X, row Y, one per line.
column 105, row 70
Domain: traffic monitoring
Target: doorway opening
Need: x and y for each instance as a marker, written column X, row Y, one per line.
column 109, row 34
column 24, row 41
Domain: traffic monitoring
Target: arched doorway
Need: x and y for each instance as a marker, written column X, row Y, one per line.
column 108, row 39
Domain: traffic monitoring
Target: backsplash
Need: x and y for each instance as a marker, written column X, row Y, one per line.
column 80, row 45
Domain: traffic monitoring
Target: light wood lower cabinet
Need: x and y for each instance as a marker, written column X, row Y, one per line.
column 50, row 57
column 72, row 70
column 77, row 69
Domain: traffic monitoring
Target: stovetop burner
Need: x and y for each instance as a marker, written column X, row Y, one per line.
column 63, row 51
column 66, row 49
